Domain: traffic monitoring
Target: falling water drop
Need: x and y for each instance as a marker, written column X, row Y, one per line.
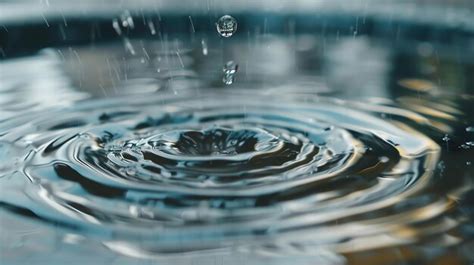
column 116, row 26
column 204, row 47
column 127, row 20
column 226, row 26
column 128, row 46
column 152, row 28
column 230, row 69
column 446, row 138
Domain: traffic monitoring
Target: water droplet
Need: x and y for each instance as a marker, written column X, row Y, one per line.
column 470, row 129
column 230, row 69
column 192, row 24
column 204, row 47
column 152, row 28
column 384, row 159
column 446, row 138
column 468, row 163
column 127, row 20
column 226, row 26
column 129, row 46
column 441, row 166
column 465, row 146
column 116, row 26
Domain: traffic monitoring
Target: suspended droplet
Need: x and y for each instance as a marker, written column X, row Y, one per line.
column 230, row 69
column 116, row 26
column 127, row 20
column 446, row 138
column 152, row 28
column 128, row 46
column 226, row 26
column 204, row 47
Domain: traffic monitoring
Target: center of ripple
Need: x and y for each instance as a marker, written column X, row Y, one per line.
column 223, row 142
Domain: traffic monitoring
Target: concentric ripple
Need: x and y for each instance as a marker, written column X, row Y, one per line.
column 174, row 173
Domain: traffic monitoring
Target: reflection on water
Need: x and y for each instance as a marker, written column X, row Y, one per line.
column 337, row 150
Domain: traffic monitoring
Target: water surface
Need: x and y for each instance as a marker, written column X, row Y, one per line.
column 326, row 150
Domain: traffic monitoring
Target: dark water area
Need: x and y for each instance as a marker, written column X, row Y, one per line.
column 264, row 148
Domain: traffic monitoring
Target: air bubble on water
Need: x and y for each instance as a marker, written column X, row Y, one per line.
column 230, row 69
column 226, row 26
column 204, row 47
column 470, row 129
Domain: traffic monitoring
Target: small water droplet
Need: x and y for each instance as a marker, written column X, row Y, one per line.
column 230, row 69
column 116, row 26
column 204, row 47
column 192, row 24
column 152, row 28
column 446, row 138
column 127, row 20
column 468, row 163
column 129, row 46
column 465, row 146
column 441, row 166
column 226, row 26
column 470, row 129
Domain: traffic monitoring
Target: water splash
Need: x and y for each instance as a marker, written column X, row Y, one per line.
column 230, row 69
